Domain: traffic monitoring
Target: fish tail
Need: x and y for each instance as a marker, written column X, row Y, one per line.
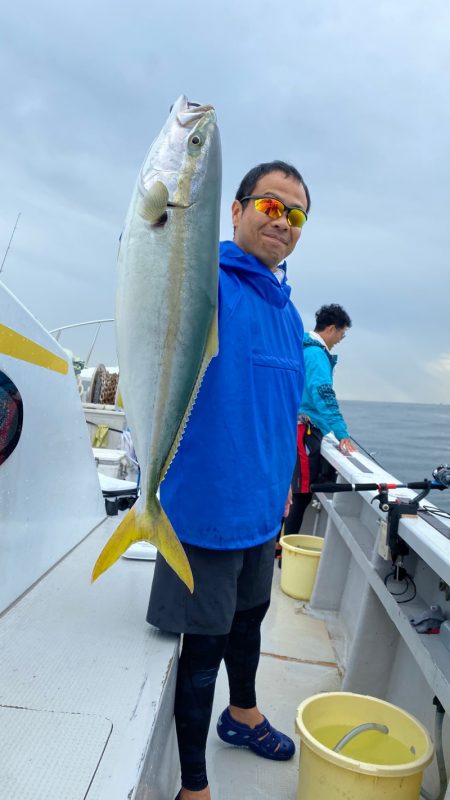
column 152, row 525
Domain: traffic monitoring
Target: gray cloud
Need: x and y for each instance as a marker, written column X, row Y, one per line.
column 354, row 93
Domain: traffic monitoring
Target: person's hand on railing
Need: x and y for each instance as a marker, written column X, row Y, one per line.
column 346, row 446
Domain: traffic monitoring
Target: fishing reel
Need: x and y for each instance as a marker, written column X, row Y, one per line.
column 404, row 507
column 391, row 547
column 396, row 508
column 442, row 474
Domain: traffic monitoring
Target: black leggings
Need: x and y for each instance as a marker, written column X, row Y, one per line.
column 197, row 672
column 300, row 503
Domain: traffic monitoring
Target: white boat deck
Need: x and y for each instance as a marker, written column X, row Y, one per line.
column 86, row 684
column 86, row 695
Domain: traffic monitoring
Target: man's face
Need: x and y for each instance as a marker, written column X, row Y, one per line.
column 335, row 335
column 270, row 240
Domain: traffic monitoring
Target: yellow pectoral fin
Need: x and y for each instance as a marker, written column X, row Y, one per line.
column 154, row 203
column 151, row 526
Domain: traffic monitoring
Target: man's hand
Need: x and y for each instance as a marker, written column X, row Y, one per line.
column 287, row 507
column 346, row 446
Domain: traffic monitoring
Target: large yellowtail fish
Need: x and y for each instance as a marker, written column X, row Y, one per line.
column 166, row 314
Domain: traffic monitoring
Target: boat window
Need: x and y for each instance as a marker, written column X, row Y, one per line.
column 11, row 416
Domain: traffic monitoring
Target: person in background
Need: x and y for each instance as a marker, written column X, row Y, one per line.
column 227, row 487
column 319, row 411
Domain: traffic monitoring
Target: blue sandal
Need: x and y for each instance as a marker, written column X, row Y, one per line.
column 263, row 740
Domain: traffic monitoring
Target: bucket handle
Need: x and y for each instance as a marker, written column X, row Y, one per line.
column 366, row 726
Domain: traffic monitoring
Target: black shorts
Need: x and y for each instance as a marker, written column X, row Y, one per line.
column 225, row 581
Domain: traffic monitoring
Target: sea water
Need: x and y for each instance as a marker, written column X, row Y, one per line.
column 408, row 439
column 372, row 747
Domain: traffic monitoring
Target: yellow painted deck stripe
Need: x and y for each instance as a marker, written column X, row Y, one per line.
column 18, row 346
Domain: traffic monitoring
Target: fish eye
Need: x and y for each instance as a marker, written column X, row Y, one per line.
column 196, row 140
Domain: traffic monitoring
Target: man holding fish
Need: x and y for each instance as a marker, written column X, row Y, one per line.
column 226, row 490
column 222, row 438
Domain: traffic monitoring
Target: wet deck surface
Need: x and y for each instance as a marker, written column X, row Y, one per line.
column 298, row 661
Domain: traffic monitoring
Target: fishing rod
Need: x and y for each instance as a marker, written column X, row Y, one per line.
column 9, row 243
column 370, row 455
column 395, row 509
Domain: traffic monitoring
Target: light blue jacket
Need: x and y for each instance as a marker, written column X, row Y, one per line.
column 229, row 481
column 319, row 401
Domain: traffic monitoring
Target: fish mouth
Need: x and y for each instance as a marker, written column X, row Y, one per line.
column 200, row 107
column 189, row 113
column 170, row 204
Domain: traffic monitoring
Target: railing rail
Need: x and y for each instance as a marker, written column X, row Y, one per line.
column 56, row 332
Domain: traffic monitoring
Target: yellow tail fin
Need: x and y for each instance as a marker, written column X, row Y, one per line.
column 152, row 525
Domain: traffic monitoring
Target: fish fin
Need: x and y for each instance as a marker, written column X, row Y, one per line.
column 119, row 398
column 211, row 350
column 152, row 525
column 212, row 343
column 154, row 202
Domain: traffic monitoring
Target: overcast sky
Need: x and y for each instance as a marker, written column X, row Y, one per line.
column 355, row 93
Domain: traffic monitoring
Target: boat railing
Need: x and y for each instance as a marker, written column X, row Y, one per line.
column 391, row 613
column 99, row 323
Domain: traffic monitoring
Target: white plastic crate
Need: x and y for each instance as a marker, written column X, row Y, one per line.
column 113, row 463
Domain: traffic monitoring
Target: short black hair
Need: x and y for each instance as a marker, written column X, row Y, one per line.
column 249, row 181
column 332, row 315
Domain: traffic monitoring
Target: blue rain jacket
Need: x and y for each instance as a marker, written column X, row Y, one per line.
column 227, row 486
column 319, row 400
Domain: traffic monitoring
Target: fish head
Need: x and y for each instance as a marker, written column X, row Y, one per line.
column 185, row 156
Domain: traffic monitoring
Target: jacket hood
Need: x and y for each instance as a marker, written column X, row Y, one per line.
column 252, row 270
column 309, row 341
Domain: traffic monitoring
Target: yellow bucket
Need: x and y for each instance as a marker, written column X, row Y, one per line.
column 299, row 564
column 373, row 765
